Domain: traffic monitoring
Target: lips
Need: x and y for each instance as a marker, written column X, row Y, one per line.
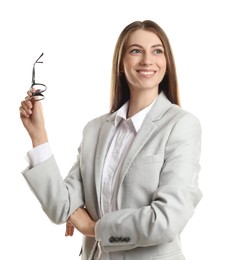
column 146, row 72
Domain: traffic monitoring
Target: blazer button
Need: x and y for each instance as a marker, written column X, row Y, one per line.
column 112, row 239
column 121, row 239
column 127, row 239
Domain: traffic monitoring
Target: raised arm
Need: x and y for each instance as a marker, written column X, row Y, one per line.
column 58, row 198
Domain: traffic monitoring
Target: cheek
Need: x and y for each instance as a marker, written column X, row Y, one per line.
column 129, row 62
column 127, row 69
column 127, row 65
column 162, row 63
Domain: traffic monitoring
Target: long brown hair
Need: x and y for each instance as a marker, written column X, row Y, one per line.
column 119, row 87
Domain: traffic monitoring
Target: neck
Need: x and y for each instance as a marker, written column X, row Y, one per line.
column 139, row 101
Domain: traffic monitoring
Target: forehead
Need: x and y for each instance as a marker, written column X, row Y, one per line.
column 144, row 38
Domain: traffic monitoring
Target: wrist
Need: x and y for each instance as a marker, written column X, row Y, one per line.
column 39, row 139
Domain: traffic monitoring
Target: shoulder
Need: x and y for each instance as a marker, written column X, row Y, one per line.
column 179, row 113
column 97, row 122
column 183, row 122
column 168, row 114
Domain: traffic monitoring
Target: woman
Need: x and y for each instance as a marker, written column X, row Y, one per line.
column 134, row 185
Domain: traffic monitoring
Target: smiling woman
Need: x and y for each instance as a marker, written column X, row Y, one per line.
column 158, row 41
column 134, row 185
column 144, row 66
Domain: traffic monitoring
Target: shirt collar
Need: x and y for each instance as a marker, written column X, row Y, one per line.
column 137, row 119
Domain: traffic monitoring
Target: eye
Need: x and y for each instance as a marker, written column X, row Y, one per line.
column 158, row 51
column 135, row 51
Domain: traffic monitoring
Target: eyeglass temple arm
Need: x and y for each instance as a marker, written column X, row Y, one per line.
column 33, row 71
column 37, row 61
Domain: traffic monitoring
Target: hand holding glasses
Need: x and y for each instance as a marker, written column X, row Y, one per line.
column 37, row 89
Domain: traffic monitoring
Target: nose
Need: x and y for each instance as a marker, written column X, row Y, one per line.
column 146, row 59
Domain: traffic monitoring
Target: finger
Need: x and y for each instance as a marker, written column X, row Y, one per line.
column 31, row 91
column 27, row 106
column 28, row 102
column 69, row 232
column 69, row 229
column 23, row 113
column 31, row 95
column 66, row 233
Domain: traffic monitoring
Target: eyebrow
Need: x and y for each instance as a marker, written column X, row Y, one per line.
column 140, row 46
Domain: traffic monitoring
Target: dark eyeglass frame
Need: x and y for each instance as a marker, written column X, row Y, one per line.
column 37, row 89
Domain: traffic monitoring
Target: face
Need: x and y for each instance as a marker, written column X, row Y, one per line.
column 144, row 62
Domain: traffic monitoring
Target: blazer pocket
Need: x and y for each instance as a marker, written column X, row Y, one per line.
column 141, row 180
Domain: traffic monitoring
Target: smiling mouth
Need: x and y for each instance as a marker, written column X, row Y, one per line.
column 146, row 72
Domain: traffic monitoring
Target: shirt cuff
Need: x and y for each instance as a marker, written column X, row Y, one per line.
column 98, row 231
column 39, row 154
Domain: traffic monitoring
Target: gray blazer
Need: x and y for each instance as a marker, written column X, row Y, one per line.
column 158, row 189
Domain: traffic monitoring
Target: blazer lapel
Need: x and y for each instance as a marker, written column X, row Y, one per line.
column 104, row 141
column 142, row 136
column 149, row 126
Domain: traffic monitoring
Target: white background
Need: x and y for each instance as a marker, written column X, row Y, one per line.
column 78, row 38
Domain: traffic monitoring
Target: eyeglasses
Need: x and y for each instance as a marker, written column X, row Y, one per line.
column 37, row 89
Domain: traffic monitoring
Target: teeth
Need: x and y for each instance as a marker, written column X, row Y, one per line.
column 146, row 72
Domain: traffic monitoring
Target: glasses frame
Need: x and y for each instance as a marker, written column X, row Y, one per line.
column 37, row 92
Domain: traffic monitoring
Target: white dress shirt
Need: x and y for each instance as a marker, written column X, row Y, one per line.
column 126, row 130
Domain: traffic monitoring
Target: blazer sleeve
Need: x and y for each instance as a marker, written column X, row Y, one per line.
column 173, row 202
column 59, row 198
